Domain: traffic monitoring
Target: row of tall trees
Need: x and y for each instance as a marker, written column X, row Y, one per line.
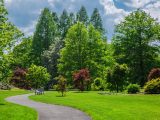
column 50, row 35
column 68, row 43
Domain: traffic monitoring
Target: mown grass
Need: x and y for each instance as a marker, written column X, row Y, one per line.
column 9, row 111
column 108, row 107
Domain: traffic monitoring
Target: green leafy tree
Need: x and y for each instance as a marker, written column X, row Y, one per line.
column 83, row 49
column 9, row 35
column 44, row 35
column 96, row 20
column 21, row 53
column 82, row 15
column 37, row 76
column 73, row 56
column 134, row 44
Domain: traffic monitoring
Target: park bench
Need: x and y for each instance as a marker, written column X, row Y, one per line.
column 39, row 91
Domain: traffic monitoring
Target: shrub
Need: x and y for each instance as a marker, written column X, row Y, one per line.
column 81, row 79
column 62, row 84
column 19, row 78
column 154, row 73
column 133, row 88
column 98, row 84
column 37, row 76
column 153, row 86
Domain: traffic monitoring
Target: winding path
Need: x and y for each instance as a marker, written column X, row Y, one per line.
column 48, row 111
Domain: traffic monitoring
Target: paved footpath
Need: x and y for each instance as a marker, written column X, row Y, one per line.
column 48, row 111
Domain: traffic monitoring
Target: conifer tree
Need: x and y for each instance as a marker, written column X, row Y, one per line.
column 96, row 20
column 44, row 35
column 82, row 15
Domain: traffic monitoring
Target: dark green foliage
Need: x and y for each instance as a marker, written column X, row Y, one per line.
column 96, row 20
column 61, row 85
column 133, row 88
column 50, row 60
column 37, row 76
column 154, row 73
column 82, row 16
column 116, row 78
column 81, row 79
column 72, row 19
column 64, row 24
column 133, row 44
column 153, row 86
column 44, row 35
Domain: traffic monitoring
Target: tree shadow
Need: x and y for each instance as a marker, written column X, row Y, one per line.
column 2, row 104
column 60, row 96
column 81, row 92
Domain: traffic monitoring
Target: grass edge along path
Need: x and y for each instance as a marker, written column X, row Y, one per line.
column 10, row 111
column 108, row 107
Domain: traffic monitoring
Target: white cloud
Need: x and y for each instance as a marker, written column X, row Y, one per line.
column 117, row 14
column 136, row 3
column 28, row 30
column 153, row 10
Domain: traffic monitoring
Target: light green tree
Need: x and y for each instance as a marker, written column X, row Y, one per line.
column 37, row 76
column 84, row 48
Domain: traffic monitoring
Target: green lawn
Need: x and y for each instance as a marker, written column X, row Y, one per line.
column 108, row 107
column 9, row 111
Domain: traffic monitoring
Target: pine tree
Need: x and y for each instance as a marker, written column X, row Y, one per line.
column 82, row 15
column 96, row 20
column 64, row 24
column 72, row 20
column 44, row 35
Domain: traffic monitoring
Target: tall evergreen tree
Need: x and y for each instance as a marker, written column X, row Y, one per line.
column 96, row 20
column 72, row 19
column 133, row 43
column 82, row 15
column 44, row 35
column 64, row 24
column 55, row 17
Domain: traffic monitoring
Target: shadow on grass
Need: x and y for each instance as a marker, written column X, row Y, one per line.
column 60, row 96
column 2, row 104
column 80, row 92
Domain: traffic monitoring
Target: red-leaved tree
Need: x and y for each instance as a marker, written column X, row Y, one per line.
column 19, row 78
column 81, row 79
column 154, row 73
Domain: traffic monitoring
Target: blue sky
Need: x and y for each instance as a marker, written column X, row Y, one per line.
column 24, row 13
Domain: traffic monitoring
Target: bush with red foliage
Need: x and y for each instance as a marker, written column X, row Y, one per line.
column 81, row 79
column 154, row 73
column 19, row 78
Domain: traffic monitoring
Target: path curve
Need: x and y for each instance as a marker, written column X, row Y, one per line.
column 48, row 111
